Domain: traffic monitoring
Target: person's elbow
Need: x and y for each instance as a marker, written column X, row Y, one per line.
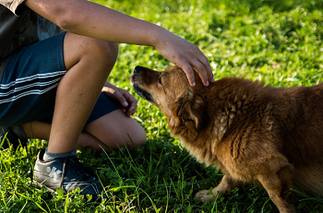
column 66, row 21
column 58, row 12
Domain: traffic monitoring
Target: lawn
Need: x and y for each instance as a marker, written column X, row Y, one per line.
column 278, row 42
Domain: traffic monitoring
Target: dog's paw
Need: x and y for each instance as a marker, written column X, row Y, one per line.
column 204, row 196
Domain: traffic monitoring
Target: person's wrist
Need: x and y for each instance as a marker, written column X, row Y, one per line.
column 158, row 36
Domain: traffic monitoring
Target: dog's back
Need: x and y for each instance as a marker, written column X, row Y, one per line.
column 291, row 118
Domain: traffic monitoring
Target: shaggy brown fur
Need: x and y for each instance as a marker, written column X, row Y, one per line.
column 268, row 136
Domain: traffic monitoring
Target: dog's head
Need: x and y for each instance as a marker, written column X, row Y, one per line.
column 170, row 91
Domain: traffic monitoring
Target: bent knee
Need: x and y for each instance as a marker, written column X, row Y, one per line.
column 139, row 138
column 134, row 137
column 107, row 51
column 77, row 48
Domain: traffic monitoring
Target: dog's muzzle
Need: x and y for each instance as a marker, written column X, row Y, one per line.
column 141, row 92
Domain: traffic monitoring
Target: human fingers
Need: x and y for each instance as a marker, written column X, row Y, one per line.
column 189, row 73
column 114, row 93
column 131, row 107
column 187, row 56
column 203, row 68
column 205, row 63
column 198, row 62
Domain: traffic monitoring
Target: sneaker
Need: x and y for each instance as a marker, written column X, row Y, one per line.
column 8, row 136
column 65, row 173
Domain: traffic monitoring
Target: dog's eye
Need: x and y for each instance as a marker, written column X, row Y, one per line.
column 160, row 81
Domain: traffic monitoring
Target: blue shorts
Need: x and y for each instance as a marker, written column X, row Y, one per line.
column 29, row 83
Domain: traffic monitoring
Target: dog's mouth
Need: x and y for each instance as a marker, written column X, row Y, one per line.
column 132, row 79
column 141, row 92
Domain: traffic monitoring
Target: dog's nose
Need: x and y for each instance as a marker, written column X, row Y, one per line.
column 138, row 69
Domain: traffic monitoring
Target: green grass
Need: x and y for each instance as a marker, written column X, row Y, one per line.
column 278, row 42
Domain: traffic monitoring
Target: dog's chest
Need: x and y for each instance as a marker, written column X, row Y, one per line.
column 202, row 151
column 213, row 154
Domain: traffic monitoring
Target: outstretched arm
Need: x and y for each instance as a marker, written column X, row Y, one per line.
column 96, row 21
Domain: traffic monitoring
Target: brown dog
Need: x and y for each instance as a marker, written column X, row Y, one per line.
column 255, row 134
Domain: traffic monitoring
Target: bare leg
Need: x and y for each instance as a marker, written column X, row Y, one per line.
column 226, row 184
column 41, row 130
column 123, row 131
column 89, row 63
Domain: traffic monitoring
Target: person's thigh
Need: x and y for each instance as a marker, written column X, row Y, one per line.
column 111, row 131
column 107, row 124
column 78, row 47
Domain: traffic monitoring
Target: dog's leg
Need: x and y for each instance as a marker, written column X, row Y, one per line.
column 227, row 183
column 278, row 187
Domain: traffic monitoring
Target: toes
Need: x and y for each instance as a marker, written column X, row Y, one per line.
column 204, row 196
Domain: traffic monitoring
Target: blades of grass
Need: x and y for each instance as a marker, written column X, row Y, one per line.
column 173, row 185
column 3, row 140
column 66, row 203
column 265, row 203
column 21, row 210
column 307, row 197
column 115, row 189
column 156, row 185
column 46, row 205
column 39, row 206
column 3, row 199
column 166, row 207
column 32, row 200
column 150, row 165
column 215, row 204
column 152, row 202
column 179, row 190
column 115, row 168
column 133, row 164
column 128, row 207
column 111, row 210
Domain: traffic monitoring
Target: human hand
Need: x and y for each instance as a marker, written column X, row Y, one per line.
column 185, row 55
column 128, row 102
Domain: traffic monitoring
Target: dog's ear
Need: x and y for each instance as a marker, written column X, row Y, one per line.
column 189, row 108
